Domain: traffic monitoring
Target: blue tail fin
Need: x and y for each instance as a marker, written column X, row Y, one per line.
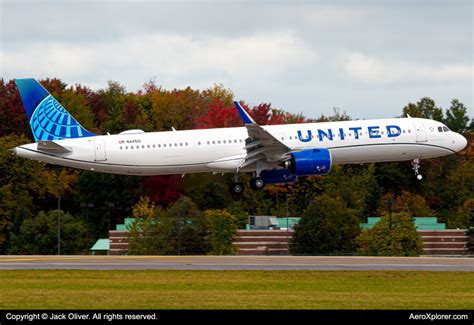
column 48, row 119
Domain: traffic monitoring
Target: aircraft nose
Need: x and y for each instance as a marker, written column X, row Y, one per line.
column 460, row 142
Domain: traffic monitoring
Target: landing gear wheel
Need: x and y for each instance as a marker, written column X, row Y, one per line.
column 236, row 188
column 257, row 183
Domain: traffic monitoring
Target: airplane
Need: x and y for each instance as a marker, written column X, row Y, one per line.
column 274, row 154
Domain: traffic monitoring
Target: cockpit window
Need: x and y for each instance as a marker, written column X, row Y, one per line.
column 445, row 129
column 440, row 129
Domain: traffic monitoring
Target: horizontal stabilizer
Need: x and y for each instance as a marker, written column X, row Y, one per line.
column 52, row 147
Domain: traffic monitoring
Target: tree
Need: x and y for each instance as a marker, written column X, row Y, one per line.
column 163, row 189
column 110, row 103
column 357, row 186
column 24, row 181
column 393, row 235
column 210, row 195
column 76, row 104
column 218, row 115
column 176, row 108
column 413, row 204
column 103, row 191
column 38, row 235
column 13, row 119
column 327, row 227
column 461, row 217
column 184, row 229
column 222, row 231
column 144, row 233
column 219, row 93
column 424, row 108
column 456, row 117
column 337, row 116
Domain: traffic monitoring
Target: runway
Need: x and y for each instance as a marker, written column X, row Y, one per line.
column 320, row 263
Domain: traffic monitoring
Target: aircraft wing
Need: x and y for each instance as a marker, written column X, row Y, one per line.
column 261, row 145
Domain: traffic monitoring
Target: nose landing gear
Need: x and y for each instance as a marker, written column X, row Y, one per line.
column 415, row 165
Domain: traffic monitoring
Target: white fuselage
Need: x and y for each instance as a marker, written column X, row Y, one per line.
column 222, row 150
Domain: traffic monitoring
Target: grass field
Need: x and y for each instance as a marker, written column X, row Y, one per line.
column 77, row 289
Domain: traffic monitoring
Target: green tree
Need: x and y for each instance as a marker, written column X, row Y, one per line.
column 184, row 229
column 456, row 117
column 22, row 183
column 393, row 235
column 424, row 108
column 237, row 210
column 222, row 231
column 357, row 186
column 460, row 217
column 38, row 235
column 111, row 195
column 112, row 101
column 327, row 227
column 209, row 192
column 145, row 235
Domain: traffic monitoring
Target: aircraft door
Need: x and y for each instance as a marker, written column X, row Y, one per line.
column 420, row 131
column 99, row 149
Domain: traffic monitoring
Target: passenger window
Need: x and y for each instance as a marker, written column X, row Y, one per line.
column 120, row 147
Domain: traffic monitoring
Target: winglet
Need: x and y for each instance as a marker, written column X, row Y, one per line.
column 246, row 118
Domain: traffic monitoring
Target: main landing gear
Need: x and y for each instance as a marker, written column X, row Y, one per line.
column 415, row 165
column 236, row 187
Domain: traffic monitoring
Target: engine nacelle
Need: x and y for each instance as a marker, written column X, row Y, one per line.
column 310, row 162
column 278, row 176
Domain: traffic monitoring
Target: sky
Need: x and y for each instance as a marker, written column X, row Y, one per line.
column 369, row 58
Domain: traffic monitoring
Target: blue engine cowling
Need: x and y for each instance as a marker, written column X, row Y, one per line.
column 310, row 162
column 278, row 176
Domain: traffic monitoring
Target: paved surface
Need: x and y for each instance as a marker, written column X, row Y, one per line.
column 323, row 263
